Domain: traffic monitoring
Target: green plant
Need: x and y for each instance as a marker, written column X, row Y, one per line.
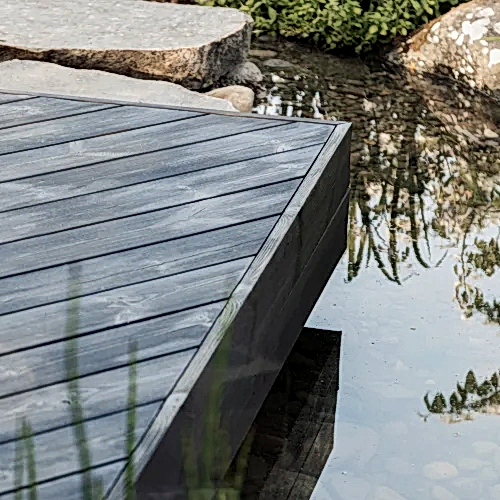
column 331, row 24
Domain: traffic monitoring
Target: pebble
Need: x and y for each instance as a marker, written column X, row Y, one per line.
column 495, row 492
column 440, row 493
column 440, row 470
column 262, row 53
column 278, row 63
column 471, row 464
column 386, row 493
column 490, row 134
column 484, row 447
column 277, row 79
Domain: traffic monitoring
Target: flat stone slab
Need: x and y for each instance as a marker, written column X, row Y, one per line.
column 190, row 45
column 47, row 78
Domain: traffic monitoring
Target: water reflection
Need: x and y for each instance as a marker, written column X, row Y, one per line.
column 91, row 483
column 468, row 398
column 417, row 293
column 293, row 434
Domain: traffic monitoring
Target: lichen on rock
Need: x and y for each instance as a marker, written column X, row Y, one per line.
column 463, row 44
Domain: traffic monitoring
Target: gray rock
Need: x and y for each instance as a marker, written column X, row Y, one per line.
column 278, row 63
column 186, row 44
column 248, row 73
column 240, row 97
column 463, row 43
column 47, row 78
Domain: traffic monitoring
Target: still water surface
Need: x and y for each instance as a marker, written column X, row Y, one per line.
column 417, row 293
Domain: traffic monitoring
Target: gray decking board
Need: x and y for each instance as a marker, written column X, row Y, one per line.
column 110, row 120
column 69, row 487
column 42, row 109
column 184, row 224
column 102, row 393
column 4, row 98
column 160, row 194
column 117, row 142
column 123, row 305
column 57, row 455
column 87, row 179
column 132, row 232
column 106, row 350
column 115, row 270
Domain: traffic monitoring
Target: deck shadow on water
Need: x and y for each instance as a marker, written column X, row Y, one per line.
column 292, row 435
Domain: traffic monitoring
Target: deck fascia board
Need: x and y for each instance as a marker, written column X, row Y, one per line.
column 189, row 392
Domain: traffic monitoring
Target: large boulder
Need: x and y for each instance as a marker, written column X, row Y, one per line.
column 47, row 78
column 190, row 45
column 463, row 44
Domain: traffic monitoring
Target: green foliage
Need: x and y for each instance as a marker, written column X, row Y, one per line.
column 331, row 24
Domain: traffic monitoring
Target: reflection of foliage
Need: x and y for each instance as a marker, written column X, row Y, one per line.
column 24, row 445
column 92, row 487
column 77, row 417
column 131, row 423
column 483, row 259
column 470, row 396
column 409, row 189
column 388, row 216
column 207, row 483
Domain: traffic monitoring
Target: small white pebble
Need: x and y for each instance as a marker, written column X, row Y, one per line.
column 490, row 134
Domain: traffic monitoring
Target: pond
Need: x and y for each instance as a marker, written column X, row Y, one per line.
column 416, row 296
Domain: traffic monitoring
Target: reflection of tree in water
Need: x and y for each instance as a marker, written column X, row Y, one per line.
column 467, row 398
column 482, row 260
column 408, row 189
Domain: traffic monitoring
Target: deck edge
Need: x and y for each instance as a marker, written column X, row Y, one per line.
column 185, row 384
column 179, row 108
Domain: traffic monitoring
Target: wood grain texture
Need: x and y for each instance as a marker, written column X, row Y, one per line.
column 100, row 394
column 115, row 270
column 108, row 121
column 155, row 195
column 42, row 109
column 70, row 487
column 107, row 237
column 126, row 171
column 107, row 349
column 122, row 305
column 255, row 303
column 184, row 225
column 56, row 453
column 123, row 141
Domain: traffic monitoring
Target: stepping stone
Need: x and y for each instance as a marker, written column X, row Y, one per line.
column 190, row 45
column 46, row 78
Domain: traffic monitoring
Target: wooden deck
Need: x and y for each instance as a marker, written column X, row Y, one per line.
column 157, row 265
